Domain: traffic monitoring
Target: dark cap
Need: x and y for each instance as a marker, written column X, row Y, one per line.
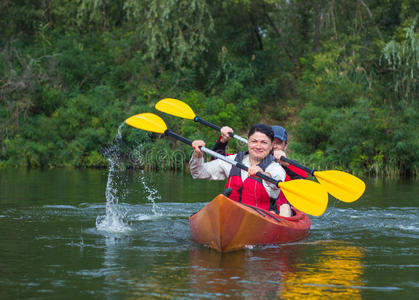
column 280, row 133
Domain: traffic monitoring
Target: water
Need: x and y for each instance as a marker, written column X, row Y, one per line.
column 53, row 246
column 113, row 220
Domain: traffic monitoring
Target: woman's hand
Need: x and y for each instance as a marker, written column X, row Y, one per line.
column 196, row 146
column 225, row 137
column 254, row 169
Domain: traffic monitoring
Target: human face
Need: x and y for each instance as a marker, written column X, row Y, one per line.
column 259, row 146
column 279, row 144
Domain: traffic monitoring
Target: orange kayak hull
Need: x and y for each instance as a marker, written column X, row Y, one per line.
column 226, row 225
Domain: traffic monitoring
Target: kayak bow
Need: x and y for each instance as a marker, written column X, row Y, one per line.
column 226, row 225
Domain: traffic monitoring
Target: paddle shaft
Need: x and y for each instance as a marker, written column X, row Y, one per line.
column 218, row 128
column 297, row 164
column 233, row 135
column 222, row 157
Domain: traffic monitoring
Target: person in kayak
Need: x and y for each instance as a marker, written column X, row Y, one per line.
column 280, row 145
column 246, row 187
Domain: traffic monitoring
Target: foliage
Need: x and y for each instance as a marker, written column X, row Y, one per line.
column 172, row 31
column 347, row 121
column 402, row 59
column 341, row 76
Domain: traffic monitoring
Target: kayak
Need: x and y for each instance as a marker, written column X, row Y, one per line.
column 226, row 225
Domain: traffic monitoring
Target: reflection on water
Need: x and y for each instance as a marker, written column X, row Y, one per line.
column 281, row 272
column 337, row 273
column 254, row 273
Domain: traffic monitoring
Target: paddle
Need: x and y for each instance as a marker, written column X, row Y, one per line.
column 181, row 109
column 341, row 185
column 307, row 196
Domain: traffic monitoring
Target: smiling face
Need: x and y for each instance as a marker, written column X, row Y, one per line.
column 260, row 145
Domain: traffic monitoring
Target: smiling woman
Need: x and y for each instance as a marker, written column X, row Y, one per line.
column 246, row 187
column 260, row 143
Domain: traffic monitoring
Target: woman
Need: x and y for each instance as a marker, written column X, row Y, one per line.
column 279, row 145
column 247, row 188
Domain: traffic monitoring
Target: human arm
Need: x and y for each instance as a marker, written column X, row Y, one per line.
column 219, row 147
column 277, row 172
column 225, row 134
column 278, row 154
column 196, row 145
column 292, row 172
column 213, row 170
column 221, row 144
column 223, row 139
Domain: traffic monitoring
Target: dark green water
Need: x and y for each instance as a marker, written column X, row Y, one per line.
column 59, row 240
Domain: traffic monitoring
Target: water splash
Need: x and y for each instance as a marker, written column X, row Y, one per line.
column 115, row 218
column 152, row 195
column 151, row 192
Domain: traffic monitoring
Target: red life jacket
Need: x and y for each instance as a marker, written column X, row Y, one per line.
column 251, row 191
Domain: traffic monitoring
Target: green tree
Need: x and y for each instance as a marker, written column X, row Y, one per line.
column 402, row 65
column 173, row 31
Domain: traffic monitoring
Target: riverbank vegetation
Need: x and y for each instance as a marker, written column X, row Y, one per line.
column 341, row 76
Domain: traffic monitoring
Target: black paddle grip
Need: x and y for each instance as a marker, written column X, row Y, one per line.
column 178, row 137
column 198, row 119
column 297, row 164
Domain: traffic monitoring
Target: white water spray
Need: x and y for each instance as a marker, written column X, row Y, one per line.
column 152, row 195
column 114, row 220
column 151, row 192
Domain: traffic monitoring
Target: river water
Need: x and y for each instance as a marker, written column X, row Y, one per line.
column 97, row 234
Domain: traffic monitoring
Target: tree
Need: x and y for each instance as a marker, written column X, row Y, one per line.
column 402, row 60
column 173, row 31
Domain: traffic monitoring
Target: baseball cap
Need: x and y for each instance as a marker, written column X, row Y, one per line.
column 280, row 133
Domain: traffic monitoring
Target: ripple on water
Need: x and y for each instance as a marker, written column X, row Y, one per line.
column 378, row 222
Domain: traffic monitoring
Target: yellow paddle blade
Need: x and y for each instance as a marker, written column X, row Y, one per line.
column 305, row 195
column 176, row 108
column 341, row 185
column 147, row 122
